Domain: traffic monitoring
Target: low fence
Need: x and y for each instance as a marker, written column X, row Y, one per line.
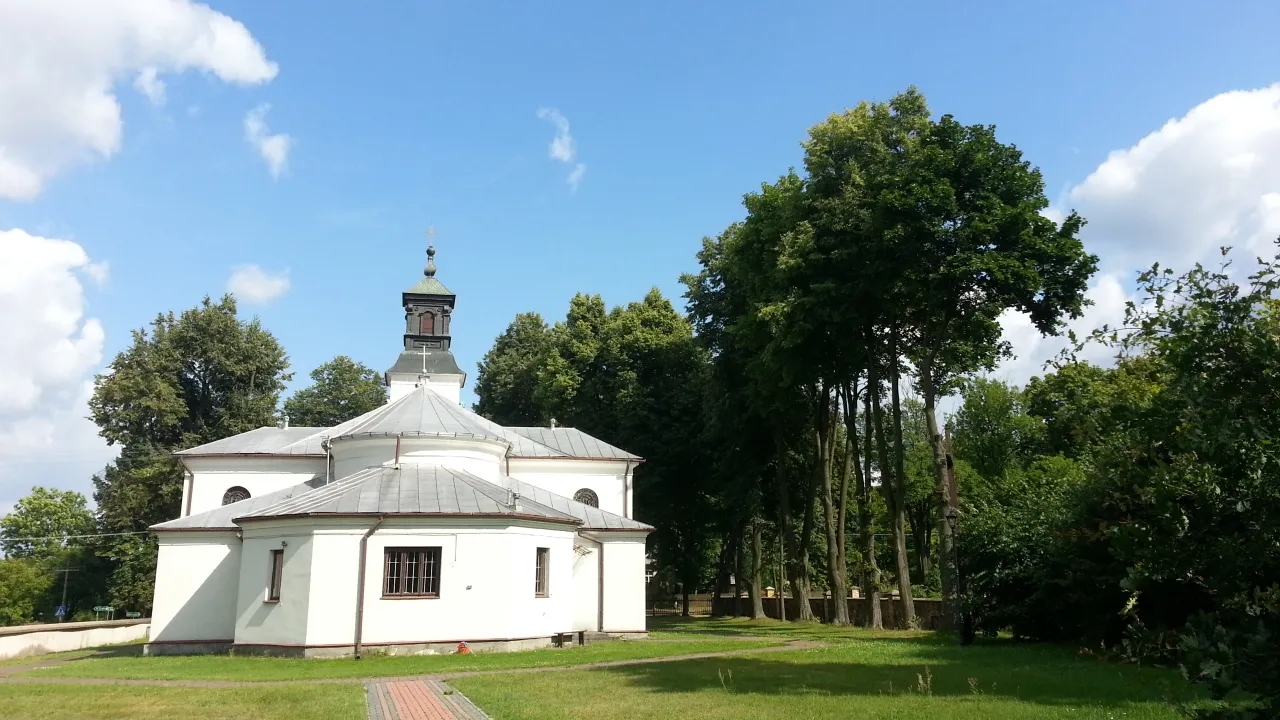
column 928, row 610
column 26, row 640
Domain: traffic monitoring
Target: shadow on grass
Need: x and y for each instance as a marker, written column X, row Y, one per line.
column 1039, row 674
column 115, row 651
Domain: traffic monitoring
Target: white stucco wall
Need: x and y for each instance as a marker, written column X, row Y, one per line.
column 623, row 581
column 260, row 474
column 283, row 622
column 197, row 576
column 39, row 643
column 450, row 386
column 480, row 457
column 586, row 585
column 566, row 477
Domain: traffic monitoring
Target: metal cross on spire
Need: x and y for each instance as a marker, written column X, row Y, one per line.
column 431, row 234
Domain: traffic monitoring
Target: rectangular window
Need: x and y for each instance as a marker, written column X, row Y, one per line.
column 411, row 572
column 277, row 572
column 542, row 572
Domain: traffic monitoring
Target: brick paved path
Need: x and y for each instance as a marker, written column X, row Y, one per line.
column 420, row 700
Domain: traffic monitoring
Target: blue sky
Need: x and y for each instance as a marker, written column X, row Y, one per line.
column 408, row 114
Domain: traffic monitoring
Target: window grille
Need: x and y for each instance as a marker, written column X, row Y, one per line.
column 411, row 572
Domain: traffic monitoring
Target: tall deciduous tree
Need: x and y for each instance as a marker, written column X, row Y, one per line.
column 341, row 389
column 507, row 381
column 47, row 513
column 188, row 379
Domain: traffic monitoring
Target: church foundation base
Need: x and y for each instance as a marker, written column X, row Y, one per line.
column 211, row 647
column 423, row 648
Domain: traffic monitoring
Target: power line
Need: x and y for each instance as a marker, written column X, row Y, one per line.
column 68, row 537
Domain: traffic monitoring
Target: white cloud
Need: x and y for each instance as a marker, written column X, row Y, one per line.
column 1206, row 179
column 274, row 149
column 149, row 83
column 253, row 285
column 562, row 147
column 49, row 352
column 64, row 58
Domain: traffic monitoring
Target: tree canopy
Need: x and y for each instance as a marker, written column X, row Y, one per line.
column 340, row 389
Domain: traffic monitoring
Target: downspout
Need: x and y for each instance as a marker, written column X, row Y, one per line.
column 189, row 479
column 328, row 464
column 626, row 490
column 364, row 544
column 600, row 605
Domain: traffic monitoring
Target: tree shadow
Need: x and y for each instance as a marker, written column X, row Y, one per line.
column 113, row 651
column 1046, row 675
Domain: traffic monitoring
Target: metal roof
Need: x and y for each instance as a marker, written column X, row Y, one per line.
column 592, row 518
column 428, row 362
column 422, row 411
column 221, row 518
column 409, row 490
column 263, row 441
column 429, row 286
column 571, row 442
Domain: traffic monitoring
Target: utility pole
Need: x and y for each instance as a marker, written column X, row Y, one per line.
column 62, row 607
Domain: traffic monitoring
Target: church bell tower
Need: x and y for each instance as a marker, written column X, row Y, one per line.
column 426, row 358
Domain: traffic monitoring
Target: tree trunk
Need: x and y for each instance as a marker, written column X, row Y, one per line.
column 783, row 512
column 802, row 585
column 838, row 610
column 757, row 561
column 870, row 570
column 942, row 494
column 738, row 582
column 722, row 571
column 684, row 599
column 899, row 494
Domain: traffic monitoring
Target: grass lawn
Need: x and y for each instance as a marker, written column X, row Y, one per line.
column 105, row 702
column 225, row 667
column 862, row 674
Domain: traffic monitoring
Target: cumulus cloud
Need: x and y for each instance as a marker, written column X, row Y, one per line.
column 274, row 149
column 253, row 285
column 49, row 352
column 63, row 60
column 562, row 147
column 1206, row 179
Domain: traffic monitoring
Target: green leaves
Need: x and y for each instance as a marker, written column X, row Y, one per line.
column 45, row 513
column 341, row 389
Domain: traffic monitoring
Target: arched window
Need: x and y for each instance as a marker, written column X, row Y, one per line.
column 428, row 323
column 587, row 497
column 235, row 494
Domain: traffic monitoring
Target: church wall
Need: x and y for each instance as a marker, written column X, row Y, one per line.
column 586, row 585
column 283, row 622
column 479, row 458
column 566, row 477
column 486, row 583
column 450, row 386
column 261, row 474
column 624, row 582
column 197, row 576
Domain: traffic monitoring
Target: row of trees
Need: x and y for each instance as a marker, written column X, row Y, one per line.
column 187, row 379
column 792, row 426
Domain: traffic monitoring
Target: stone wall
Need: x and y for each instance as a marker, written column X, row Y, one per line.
column 929, row 610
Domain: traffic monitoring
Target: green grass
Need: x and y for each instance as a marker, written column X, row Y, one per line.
column 225, row 667
column 106, row 702
column 861, row 674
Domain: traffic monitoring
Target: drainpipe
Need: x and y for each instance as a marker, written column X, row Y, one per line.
column 364, row 544
column 328, row 464
column 626, row 491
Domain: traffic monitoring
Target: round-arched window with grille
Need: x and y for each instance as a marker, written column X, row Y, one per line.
column 235, row 494
column 587, row 496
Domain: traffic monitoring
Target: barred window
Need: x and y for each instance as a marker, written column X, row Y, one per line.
column 587, row 496
column 412, row 572
column 542, row 568
column 234, row 495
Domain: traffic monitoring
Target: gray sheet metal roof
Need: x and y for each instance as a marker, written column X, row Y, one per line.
column 263, row 441
column 436, row 362
column 421, row 412
column 429, row 286
column 592, row 518
column 221, row 518
column 571, row 442
column 409, row 490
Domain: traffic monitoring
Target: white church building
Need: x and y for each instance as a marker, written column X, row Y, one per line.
column 411, row 528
